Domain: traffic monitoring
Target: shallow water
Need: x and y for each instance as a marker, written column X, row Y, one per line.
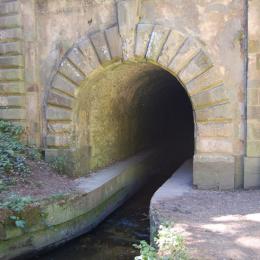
column 114, row 237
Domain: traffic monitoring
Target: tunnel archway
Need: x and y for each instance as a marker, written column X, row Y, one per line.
column 183, row 57
column 129, row 108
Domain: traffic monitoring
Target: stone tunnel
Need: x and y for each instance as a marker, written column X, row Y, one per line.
column 97, row 82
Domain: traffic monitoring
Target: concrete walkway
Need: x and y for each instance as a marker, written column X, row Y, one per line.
column 215, row 225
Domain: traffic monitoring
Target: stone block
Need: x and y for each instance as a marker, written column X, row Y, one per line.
column 143, row 35
column 253, row 112
column 79, row 60
column 9, row 48
column 209, row 98
column 253, row 148
column 62, row 84
column 253, row 83
column 13, row 114
column 58, row 140
column 253, row 46
column 100, row 44
column 253, row 96
column 214, row 171
column 12, row 101
column 200, row 64
column 174, row 41
column 10, row 21
column 90, row 54
column 9, row 8
column 214, row 145
column 71, row 72
column 254, row 67
column 54, row 113
column 11, row 61
column 59, row 100
column 239, row 171
column 251, row 172
column 11, row 74
column 114, row 42
column 51, row 154
column 127, row 16
column 127, row 12
column 221, row 113
column 214, row 129
column 209, row 79
column 258, row 61
column 10, row 34
column 58, row 128
column 157, row 41
column 253, row 130
column 184, row 55
column 7, row 88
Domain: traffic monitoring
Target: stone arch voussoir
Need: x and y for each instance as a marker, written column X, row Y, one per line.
column 174, row 51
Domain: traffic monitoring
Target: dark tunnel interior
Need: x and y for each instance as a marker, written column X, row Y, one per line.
column 134, row 107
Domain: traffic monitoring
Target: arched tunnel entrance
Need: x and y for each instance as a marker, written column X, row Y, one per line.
column 132, row 107
column 121, row 111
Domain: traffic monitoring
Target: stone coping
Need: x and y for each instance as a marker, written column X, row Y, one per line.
column 56, row 220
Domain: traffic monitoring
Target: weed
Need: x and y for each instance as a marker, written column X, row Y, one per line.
column 147, row 252
column 13, row 153
column 20, row 223
column 170, row 246
column 59, row 164
column 16, row 204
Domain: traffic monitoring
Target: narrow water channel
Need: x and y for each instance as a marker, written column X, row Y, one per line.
column 113, row 238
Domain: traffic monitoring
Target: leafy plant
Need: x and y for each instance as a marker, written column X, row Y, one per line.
column 147, row 252
column 16, row 203
column 34, row 154
column 59, row 164
column 20, row 223
column 13, row 153
column 170, row 246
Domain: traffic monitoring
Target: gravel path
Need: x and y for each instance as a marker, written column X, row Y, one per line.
column 215, row 225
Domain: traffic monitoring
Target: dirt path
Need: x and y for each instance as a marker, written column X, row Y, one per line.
column 215, row 225
column 42, row 182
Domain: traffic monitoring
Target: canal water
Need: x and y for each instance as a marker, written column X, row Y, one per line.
column 113, row 239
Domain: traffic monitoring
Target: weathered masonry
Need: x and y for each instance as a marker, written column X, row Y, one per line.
column 53, row 53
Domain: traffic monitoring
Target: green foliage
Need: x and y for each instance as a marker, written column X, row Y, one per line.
column 59, row 164
column 20, row 223
column 34, row 154
column 170, row 246
column 16, row 203
column 147, row 252
column 13, row 153
column 10, row 129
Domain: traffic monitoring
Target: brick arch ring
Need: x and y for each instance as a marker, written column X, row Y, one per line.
column 179, row 54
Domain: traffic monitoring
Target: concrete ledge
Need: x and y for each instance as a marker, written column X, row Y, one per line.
column 55, row 220
column 177, row 185
column 214, row 171
column 251, row 172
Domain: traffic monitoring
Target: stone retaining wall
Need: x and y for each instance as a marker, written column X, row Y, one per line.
column 56, row 220
column 47, row 48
